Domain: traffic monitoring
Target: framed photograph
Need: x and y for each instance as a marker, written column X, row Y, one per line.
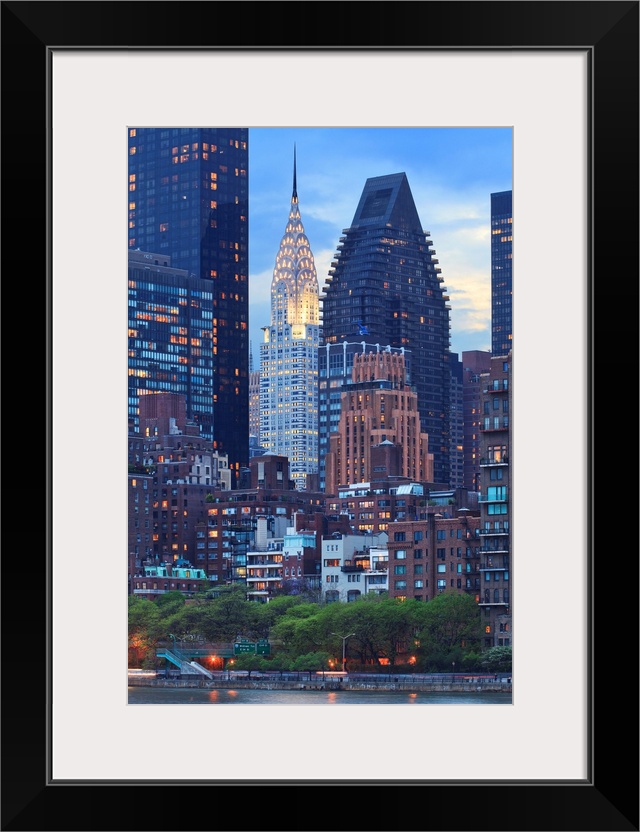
column 564, row 77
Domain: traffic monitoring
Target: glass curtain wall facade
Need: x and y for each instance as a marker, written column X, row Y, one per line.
column 501, row 272
column 169, row 312
column 188, row 199
column 385, row 284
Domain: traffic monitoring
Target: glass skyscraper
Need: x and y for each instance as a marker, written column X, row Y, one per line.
column 385, row 287
column 188, row 199
column 169, row 312
column 501, row 272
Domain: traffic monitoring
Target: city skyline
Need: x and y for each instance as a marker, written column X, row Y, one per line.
column 451, row 171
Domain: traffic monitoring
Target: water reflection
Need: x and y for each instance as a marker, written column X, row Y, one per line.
column 208, row 696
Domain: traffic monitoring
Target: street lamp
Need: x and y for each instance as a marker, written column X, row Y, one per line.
column 344, row 645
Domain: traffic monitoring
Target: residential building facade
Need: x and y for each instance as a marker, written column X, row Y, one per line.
column 353, row 565
column 436, row 555
column 496, row 501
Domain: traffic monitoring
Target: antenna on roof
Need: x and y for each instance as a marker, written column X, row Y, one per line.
column 295, row 189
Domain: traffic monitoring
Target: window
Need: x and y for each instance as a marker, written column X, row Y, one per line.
column 441, row 567
column 399, row 569
column 442, row 584
column 401, row 554
column 399, row 537
column 417, row 554
column 400, row 584
column 417, row 584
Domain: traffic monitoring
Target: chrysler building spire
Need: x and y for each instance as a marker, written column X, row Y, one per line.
column 294, row 195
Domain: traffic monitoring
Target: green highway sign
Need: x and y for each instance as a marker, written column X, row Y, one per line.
column 244, row 647
column 263, row 648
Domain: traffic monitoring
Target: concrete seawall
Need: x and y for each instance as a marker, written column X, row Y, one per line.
column 328, row 684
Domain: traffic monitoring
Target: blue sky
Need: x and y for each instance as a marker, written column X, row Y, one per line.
column 451, row 172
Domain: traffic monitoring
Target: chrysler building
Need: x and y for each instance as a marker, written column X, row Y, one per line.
column 289, row 353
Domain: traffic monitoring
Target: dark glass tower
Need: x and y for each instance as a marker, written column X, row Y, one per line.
column 501, row 272
column 188, row 198
column 169, row 312
column 384, row 284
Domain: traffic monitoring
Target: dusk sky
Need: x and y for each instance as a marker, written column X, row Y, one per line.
column 451, row 172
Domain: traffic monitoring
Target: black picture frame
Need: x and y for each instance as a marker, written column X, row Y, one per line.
column 608, row 800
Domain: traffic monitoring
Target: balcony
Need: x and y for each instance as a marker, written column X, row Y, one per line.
column 494, row 531
column 493, row 566
column 485, row 550
column 483, row 498
column 503, row 461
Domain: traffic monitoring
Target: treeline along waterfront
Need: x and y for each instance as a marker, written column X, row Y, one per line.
column 293, row 640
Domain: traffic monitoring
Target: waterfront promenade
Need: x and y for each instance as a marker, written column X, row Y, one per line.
column 434, row 683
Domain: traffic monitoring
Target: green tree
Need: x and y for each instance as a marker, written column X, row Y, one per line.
column 170, row 602
column 144, row 627
column 449, row 627
column 249, row 662
column 298, row 631
column 497, row 660
column 311, row 662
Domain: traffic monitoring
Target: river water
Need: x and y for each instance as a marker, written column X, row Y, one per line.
column 217, row 696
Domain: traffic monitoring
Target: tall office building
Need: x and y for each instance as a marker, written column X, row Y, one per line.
column 385, row 284
column 335, row 368
column 501, row 272
column 188, row 200
column 456, row 425
column 379, row 428
column 289, row 353
column 169, row 311
column 474, row 364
